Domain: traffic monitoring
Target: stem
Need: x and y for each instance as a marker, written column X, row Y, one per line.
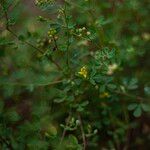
column 130, row 96
column 26, row 84
column 28, row 43
column 82, row 132
column 54, row 62
column 64, row 131
column 68, row 43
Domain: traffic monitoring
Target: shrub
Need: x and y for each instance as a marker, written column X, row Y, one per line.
column 74, row 74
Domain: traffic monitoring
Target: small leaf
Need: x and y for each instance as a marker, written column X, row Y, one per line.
column 73, row 139
column 92, row 81
column 70, row 98
column 102, row 88
column 137, row 112
column 52, row 130
column 5, row 42
column 132, row 85
column 12, row 115
column 59, row 100
column 80, row 109
column 85, row 103
column 145, row 107
column 147, row 90
column 111, row 86
column 132, row 106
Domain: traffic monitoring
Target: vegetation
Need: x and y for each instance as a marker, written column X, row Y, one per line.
column 74, row 75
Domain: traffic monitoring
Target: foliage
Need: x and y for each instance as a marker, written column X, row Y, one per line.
column 74, row 74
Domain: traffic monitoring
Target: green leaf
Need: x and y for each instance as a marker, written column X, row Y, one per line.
column 4, row 41
column 92, row 81
column 80, row 109
column 147, row 90
column 138, row 111
column 145, row 107
column 102, row 88
column 132, row 85
column 51, row 130
column 70, row 98
column 132, row 106
column 85, row 103
column 111, row 86
column 73, row 139
column 12, row 115
column 59, row 100
column 36, row 144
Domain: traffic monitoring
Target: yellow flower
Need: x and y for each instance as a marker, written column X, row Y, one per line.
column 83, row 71
column 104, row 95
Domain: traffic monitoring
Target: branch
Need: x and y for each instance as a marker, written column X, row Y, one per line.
column 26, row 84
column 28, row 43
column 130, row 96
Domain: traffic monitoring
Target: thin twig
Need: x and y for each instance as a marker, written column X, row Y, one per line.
column 54, row 62
column 130, row 96
column 82, row 132
column 28, row 43
column 26, row 84
column 67, row 28
column 64, row 131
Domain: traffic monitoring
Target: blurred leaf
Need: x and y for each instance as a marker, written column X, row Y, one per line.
column 12, row 115
column 145, row 107
column 137, row 112
column 51, row 130
column 4, row 41
column 132, row 106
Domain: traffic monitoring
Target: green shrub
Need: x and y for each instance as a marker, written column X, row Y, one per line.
column 74, row 74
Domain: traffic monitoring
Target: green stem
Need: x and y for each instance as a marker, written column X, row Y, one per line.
column 67, row 28
column 27, row 84
column 82, row 132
